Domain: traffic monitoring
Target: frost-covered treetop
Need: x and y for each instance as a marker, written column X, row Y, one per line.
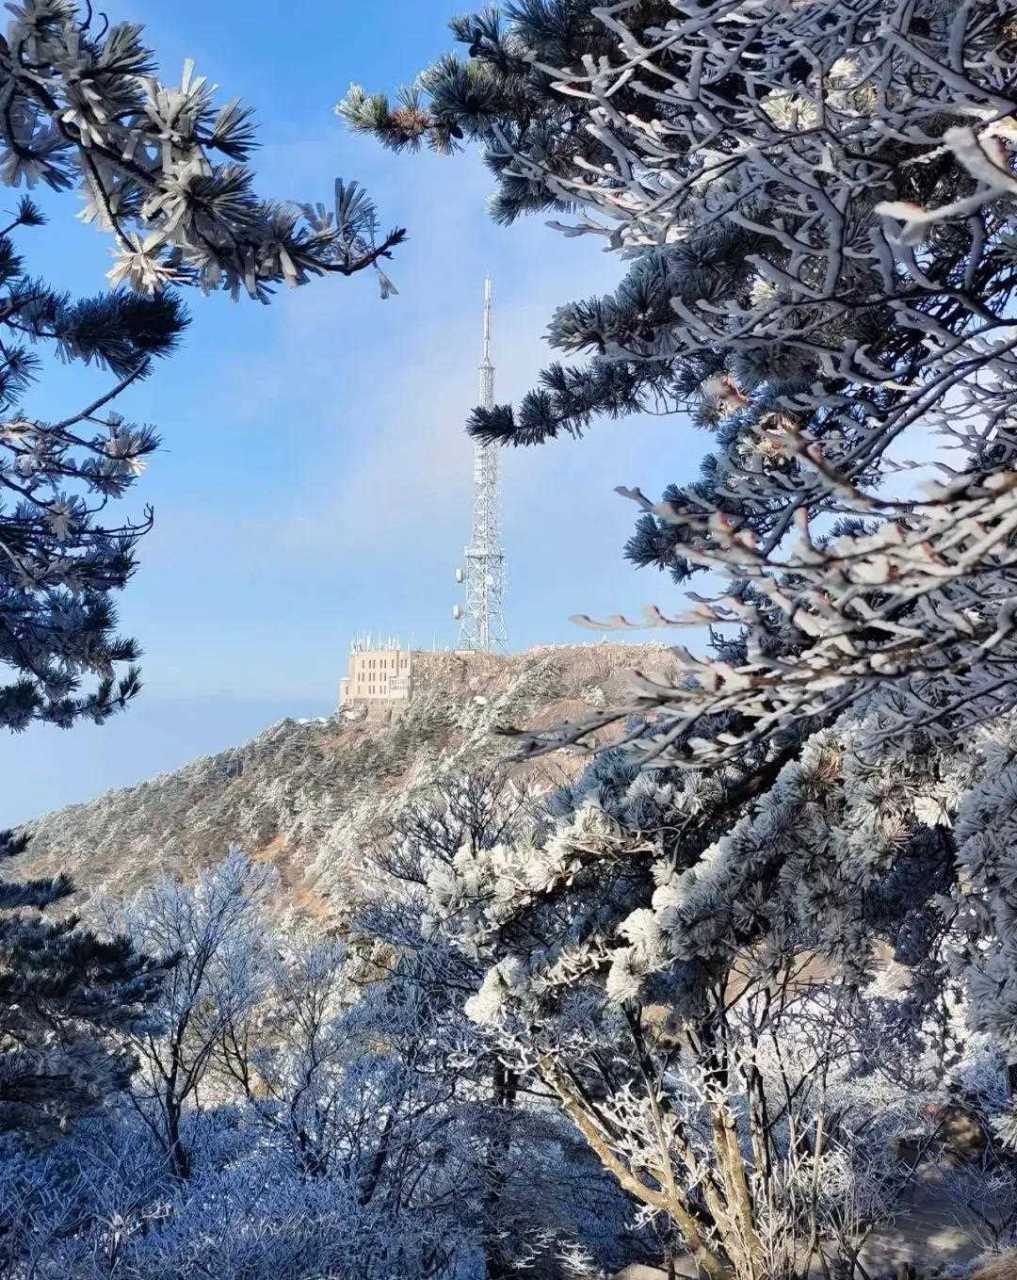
column 161, row 167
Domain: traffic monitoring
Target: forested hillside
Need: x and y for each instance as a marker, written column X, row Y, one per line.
column 308, row 795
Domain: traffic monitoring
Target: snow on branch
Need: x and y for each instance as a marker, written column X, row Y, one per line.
column 920, row 605
column 162, row 167
column 817, row 203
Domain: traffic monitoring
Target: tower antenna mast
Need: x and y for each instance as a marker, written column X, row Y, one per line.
column 482, row 615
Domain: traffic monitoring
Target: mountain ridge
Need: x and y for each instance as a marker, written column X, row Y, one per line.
column 309, row 795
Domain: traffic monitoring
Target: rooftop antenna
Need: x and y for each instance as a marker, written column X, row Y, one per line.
column 481, row 617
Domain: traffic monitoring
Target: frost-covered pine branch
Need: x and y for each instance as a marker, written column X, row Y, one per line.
column 730, row 986
column 162, row 170
column 815, row 205
column 162, row 167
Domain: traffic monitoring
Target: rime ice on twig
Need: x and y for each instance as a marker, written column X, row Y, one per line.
column 818, row 202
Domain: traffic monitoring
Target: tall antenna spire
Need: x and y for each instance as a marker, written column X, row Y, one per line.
column 486, row 363
column 482, row 616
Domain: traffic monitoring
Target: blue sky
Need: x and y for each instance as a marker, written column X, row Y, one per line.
column 314, row 480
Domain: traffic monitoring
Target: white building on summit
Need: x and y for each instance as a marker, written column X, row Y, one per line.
column 383, row 677
column 377, row 673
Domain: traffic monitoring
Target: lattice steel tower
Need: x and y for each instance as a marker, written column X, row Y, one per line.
column 482, row 614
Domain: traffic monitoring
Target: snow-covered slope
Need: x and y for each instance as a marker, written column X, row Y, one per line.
column 310, row 795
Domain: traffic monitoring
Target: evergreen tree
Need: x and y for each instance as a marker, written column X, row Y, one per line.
column 161, row 169
column 816, row 208
column 162, row 172
column 66, row 997
column 819, row 221
column 65, row 991
column 63, row 559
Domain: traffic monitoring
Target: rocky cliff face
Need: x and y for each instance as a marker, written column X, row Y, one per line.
column 310, row 796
